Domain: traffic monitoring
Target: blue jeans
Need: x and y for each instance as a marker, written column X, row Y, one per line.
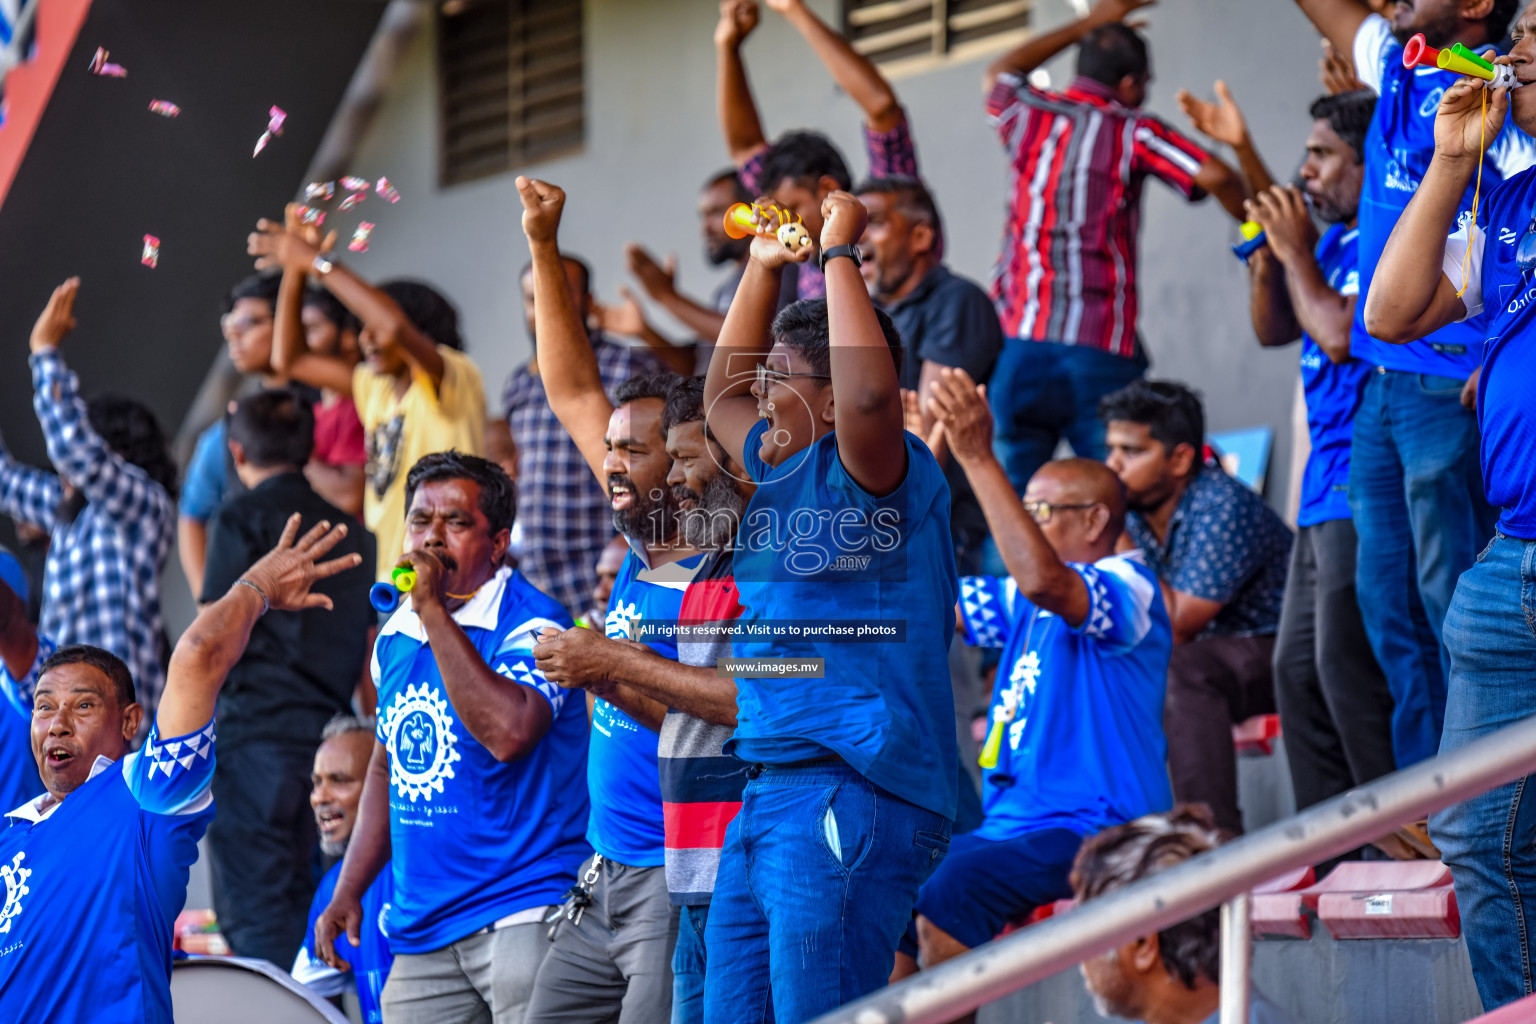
column 1416, row 493
column 1042, row 391
column 817, row 882
column 688, row 966
column 1489, row 842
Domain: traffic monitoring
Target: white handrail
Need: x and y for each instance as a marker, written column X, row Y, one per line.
column 1336, row 826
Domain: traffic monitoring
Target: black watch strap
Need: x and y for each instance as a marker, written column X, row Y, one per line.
column 850, row 250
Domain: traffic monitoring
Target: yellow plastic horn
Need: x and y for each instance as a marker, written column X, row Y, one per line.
column 1452, row 61
column 740, row 221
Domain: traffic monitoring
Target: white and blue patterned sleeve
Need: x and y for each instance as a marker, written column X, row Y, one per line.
column 174, row 776
column 1120, row 600
column 514, row 659
column 1374, row 44
column 986, row 609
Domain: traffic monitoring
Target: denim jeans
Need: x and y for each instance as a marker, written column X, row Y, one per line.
column 1489, row 842
column 1042, row 391
column 688, row 961
column 1416, row 493
column 817, row 882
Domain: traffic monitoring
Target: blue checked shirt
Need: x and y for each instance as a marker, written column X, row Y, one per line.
column 101, row 585
column 563, row 510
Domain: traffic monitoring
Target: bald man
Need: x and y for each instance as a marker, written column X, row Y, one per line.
column 1075, row 741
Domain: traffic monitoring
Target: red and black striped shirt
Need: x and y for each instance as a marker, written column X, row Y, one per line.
column 1078, row 158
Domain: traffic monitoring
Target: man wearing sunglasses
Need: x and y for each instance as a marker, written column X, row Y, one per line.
column 1075, row 741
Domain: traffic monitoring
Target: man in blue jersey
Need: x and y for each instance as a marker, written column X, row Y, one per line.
column 612, row 961
column 341, row 765
column 94, row 871
column 1076, row 724
column 1426, row 284
column 853, row 778
column 22, row 653
column 475, row 793
column 1415, row 488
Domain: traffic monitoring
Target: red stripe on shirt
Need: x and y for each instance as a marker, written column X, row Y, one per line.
column 697, row 826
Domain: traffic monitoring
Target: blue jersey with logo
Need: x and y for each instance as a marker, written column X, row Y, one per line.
column 1332, row 392
column 1398, row 149
column 91, row 886
column 624, row 777
column 19, row 780
column 1505, row 296
column 815, row 546
column 370, row 959
column 474, row 840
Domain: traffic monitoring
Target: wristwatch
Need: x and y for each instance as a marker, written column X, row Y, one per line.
column 850, row 250
column 323, row 263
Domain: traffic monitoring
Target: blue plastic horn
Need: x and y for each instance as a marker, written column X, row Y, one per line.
column 386, row 597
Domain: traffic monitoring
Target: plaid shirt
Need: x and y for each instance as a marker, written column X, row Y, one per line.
column 101, row 585
column 890, row 153
column 563, row 510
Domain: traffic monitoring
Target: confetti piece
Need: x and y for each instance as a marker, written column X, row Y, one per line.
column 351, row 201
column 274, row 128
column 151, row 257
column 321, row 190
column 99, row 66
column 352, row 183
column 310, row 215
column 163, row 108
column 385, row 189
column 359, row 241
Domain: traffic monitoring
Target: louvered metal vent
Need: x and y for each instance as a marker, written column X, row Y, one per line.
column 898, row 30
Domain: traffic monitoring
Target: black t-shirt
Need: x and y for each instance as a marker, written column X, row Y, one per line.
column 300, row 668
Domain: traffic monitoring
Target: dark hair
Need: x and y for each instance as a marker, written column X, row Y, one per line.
column 739, row 187
column 257, row 286
column 805, row 157
column 645, row 385
column 1124, row 854
column 331, row 307
column 498, row 496
column 575, row 261
column 276, row 428
column 1499, row 16
column 802, row 326
column 427, row 308
column 1172, row 410
column 105, row 662
column 685, row 403
column 1349, row 115
column 132, row 431
column 1110, row 52
column 908, row 194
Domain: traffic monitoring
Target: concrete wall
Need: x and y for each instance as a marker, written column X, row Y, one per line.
column 652, row 138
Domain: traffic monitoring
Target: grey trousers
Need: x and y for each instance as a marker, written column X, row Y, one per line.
column 483, row 979
column 615, row 965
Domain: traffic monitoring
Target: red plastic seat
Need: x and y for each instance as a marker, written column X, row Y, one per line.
column 1256, row 736
column 1387, row 899
column 1277, row 906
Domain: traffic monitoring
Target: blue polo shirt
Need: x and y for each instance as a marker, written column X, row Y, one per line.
column 19, row 781
column 1398, row 148
column 1081, row 708
column 370, row 959
column 815, row 546
column 474, row 840
column 1332, row 392
column 624, row 778
column 1504, row 297
column 91, row 886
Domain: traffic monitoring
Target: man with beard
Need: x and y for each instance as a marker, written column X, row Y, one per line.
column 1220, row 554
column 341, row 765
column 700, row 787
column 1415, row 484
column 612, row 961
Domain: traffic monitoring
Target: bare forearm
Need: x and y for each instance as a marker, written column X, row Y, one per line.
column 739, row 123
column 203, row 657
column 1038, row 49
column 743, row 334
column 18, row 637
column 699, row 319
column 852, row 71
column 1269, row 302
column 369, row 848
column 690, row 689
column 192, row 549
column 507, row 718
column 1337, row 20
column 1251, row 165
column 376, row 309
column 288, row 321
column 566, row 363
column 678, row 359
column 1409, row 272
column 648, row 711
column 1320, row 311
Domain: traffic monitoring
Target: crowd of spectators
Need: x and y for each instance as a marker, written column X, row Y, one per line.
column 621, row 752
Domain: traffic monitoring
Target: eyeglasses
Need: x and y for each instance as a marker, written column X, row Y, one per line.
column 764, row 375
column 1040, row 511
column 232, row 324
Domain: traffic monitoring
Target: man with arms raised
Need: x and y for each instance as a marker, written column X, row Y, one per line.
column 94, row 871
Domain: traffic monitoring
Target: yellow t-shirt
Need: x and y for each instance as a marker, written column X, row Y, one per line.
column 400, row 431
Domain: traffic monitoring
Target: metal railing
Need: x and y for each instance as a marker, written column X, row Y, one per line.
column 1336, row 826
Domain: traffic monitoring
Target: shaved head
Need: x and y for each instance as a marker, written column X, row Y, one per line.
column 1087, row 504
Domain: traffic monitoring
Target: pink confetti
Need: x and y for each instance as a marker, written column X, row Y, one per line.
column 163, row 108
column 352, row 183
column 151, row 257
column 351, row 201
column 386, row 190
column 360, row 237
column 274, row 128
column 99, row 66
column 310, row 215
column 321, row 190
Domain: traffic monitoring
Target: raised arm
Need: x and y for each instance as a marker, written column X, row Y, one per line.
column 1336, row 20
column 853, row 72
column 1223, row 121
column 1036, row 50
column 1325, row 314
column 28, row 493
column 865, row 389
column 209, row 648
column 1411, row 296
column 1038, row 571
column 739, row 123
column 627, row 319
column 660, row 283
column 567, row 362
column 1225, row 184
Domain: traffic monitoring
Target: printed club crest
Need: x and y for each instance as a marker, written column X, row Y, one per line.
column 419, row 736
column 15, row 877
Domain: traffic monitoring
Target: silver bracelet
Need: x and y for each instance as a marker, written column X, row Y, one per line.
column 266, row 605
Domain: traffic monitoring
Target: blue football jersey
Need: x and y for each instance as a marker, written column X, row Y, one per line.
column 370, row 959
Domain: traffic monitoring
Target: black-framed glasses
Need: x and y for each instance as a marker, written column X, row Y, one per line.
column 765, row 374
column 1040, row 511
